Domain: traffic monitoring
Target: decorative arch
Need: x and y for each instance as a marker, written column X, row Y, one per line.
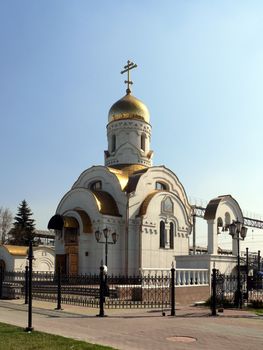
column 165, row 175
column 213, row 209
column 219, row 213
column 147, row 202
column 44, row 264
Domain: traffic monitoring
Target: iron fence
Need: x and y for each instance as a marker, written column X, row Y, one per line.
column 148, row 291
column 225, row 292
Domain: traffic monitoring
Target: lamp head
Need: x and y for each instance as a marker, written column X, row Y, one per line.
column 239, row 226
column 106, row 232
column 98, row 235
column 114, row 236
column 243, row 232
column 232, row 229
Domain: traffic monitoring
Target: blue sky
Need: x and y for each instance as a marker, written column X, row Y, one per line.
column 200, row 72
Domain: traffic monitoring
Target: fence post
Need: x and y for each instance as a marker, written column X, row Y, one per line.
column 1, row 281
column 30, row 266
column 59, row 289
column 247, row 271
column 172, row 291
column 213, row 299
column 26, row 285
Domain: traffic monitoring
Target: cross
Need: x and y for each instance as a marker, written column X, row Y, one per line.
column 130, row 65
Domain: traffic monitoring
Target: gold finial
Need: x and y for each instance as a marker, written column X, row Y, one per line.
column 130, row 65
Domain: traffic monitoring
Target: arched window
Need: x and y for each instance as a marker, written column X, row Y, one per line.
column 227, row 219
column 161, row 186
column 162, row 234
column 171, row 235
column 219, row 222
column 113, row 143
column 96, row 185
column 143, row 142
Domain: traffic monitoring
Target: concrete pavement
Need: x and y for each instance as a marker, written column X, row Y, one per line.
column 191, row 328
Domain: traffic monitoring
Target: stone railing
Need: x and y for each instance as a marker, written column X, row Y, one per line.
column 183, row 277
column 191, row 277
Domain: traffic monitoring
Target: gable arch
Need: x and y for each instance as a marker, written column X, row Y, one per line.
column 146, row 184
column 225, row 207
column 111, row 180
column 220, row 213
column 153, row 205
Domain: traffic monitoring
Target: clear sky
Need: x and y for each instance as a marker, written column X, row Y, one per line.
column 200, row 72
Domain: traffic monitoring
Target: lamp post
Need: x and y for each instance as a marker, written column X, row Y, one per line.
column 104, row 290
column 106, row 233
column 238, row 232
column 30, row 258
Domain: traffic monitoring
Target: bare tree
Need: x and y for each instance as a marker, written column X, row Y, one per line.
column 6, row 218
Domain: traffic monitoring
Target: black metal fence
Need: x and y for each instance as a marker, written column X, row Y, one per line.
column 225, row 291
column 84, row 290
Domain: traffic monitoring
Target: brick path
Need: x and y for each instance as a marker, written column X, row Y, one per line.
column 143, row 329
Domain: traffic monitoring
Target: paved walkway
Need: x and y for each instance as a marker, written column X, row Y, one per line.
column 192, row 328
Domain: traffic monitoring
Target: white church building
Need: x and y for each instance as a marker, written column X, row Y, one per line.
column 142, row 209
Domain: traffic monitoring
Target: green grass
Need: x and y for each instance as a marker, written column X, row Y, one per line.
column 258, row 311
column 15, row 338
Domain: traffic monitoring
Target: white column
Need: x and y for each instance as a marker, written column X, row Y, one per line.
column 212, row 237
column 194, row 277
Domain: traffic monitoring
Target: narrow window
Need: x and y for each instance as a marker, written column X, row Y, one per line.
column 171, row 235
column 113, row 143
column 227, row 219
column 143, row 142
column 160, row 186
column 96, row 185
column 162, row 234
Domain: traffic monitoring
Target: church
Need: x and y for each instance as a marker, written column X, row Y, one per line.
column 128, row 213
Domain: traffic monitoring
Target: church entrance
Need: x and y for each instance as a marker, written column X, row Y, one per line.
column 68, row 262
column 72, row 260
column 71, row 247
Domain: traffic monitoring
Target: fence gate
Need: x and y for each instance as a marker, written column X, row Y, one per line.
column 225, row 292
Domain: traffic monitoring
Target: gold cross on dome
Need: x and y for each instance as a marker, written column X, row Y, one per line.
column 130, row 65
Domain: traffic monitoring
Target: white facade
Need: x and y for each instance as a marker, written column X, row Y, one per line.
column 14, row 258
column 145, row 205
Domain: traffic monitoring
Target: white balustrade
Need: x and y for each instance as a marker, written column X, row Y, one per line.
column 183, row 277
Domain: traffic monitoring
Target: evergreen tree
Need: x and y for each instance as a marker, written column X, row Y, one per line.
column 24, row 227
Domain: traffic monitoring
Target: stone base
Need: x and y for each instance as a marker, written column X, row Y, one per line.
column 11, row 290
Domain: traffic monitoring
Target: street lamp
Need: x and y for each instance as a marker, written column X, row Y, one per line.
column 238, row 232
column 106, row 232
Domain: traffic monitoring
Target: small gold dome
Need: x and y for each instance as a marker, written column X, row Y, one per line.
column 129, row 107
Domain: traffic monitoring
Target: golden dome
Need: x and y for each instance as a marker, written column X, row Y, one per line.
column 129, row 107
